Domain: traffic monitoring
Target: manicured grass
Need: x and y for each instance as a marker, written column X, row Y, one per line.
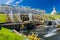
column 52, row 17
column 3, row 18
column 5, row 34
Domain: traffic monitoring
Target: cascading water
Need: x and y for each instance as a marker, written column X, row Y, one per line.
column 52, row 31
column 11, row 16
column 30, row 16
column 19, row 17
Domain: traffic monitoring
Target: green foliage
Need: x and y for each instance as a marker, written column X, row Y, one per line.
column 5, row 34
column 3, row 18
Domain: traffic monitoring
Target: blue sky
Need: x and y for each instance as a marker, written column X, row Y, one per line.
column 46, row 5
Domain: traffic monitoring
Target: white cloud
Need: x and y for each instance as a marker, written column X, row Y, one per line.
column 9, row 1
column 3, row 1
column 19, row 1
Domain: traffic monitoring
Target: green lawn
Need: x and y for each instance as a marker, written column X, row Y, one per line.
column 5, row 34
column 52, row 17
column 3, row 18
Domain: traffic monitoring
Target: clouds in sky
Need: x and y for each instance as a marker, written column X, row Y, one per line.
column 10, row 1
column 3, row 1
column 21, row 1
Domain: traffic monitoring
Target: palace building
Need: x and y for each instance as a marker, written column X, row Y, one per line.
column 19, row 9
